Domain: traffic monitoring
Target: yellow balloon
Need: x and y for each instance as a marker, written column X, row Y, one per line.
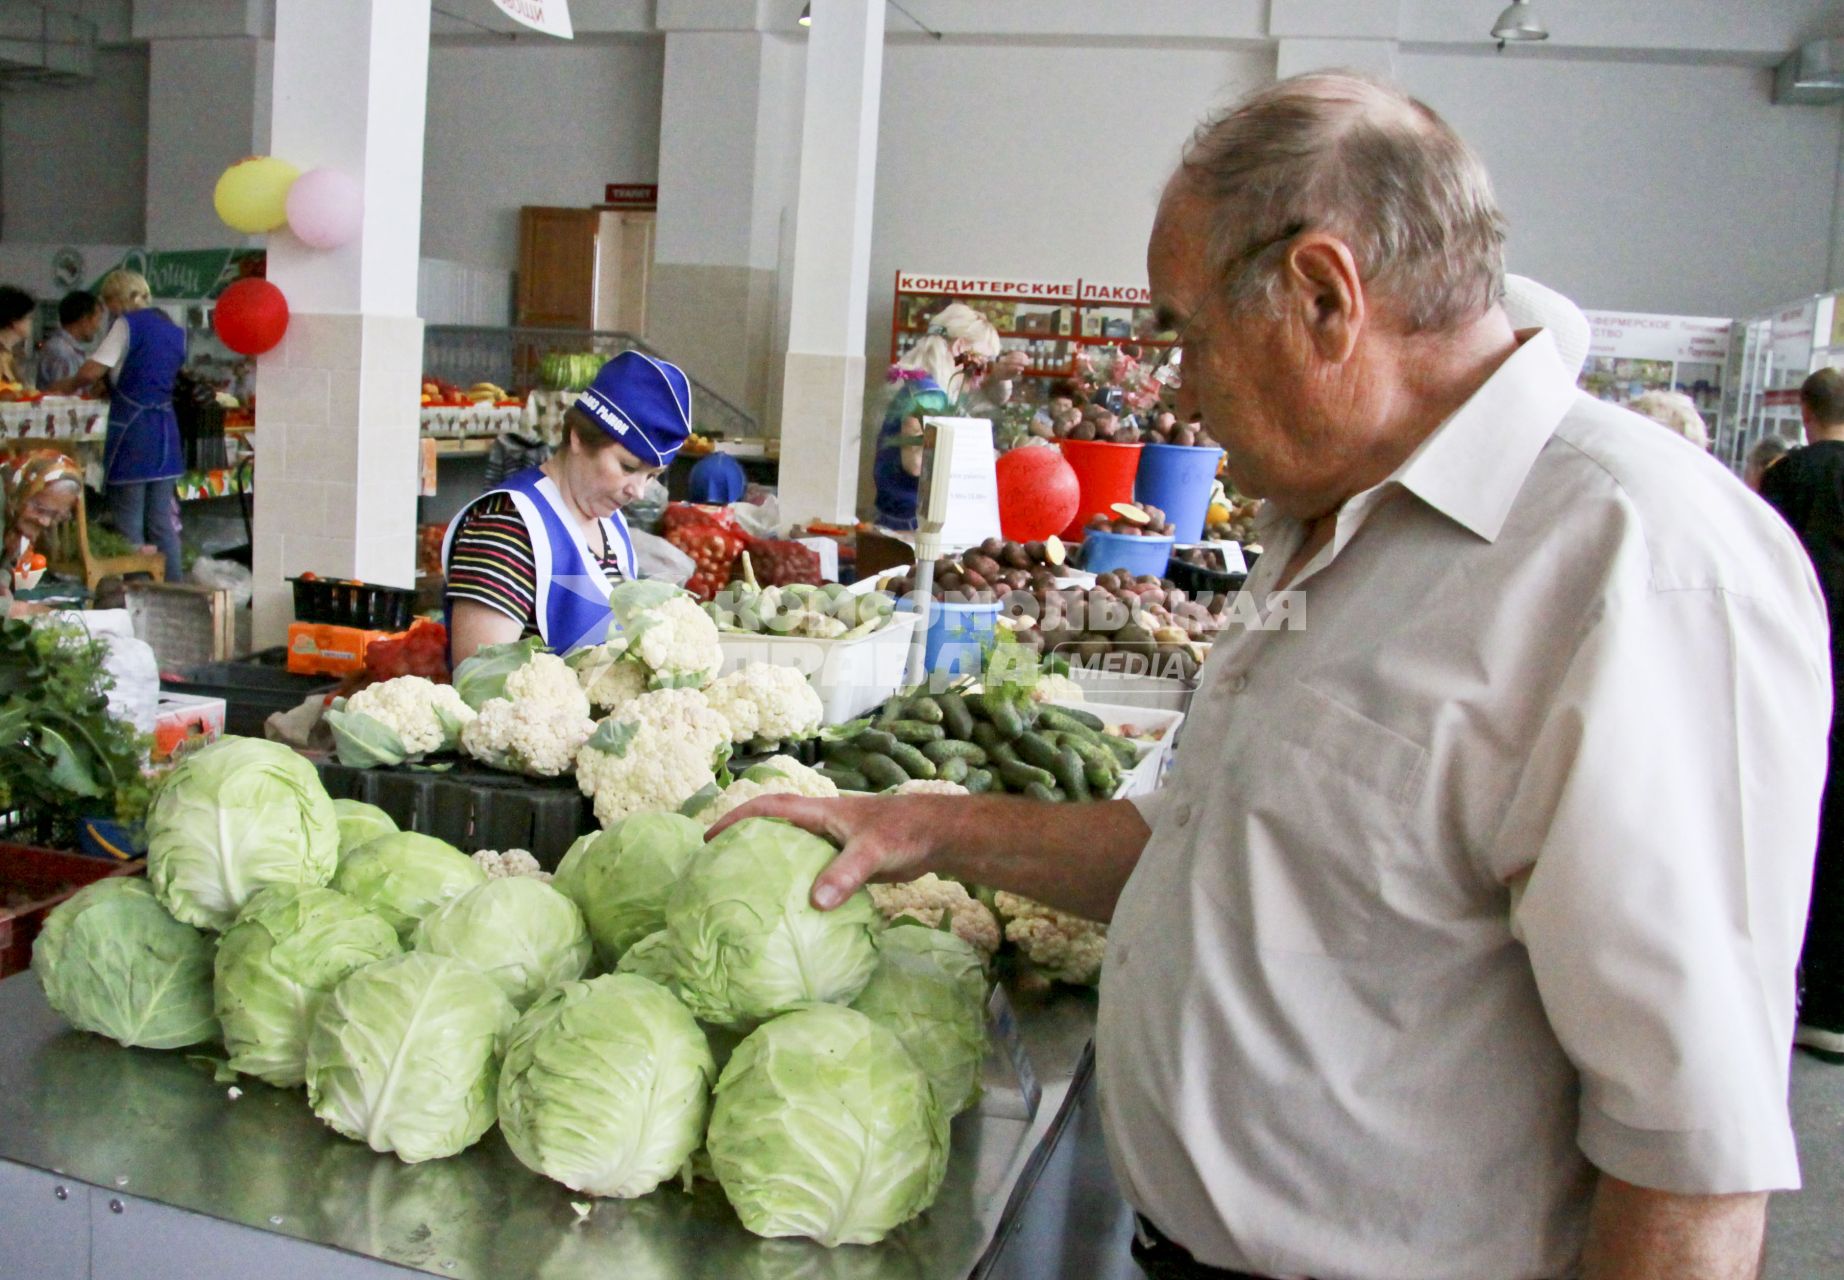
column 252, row 195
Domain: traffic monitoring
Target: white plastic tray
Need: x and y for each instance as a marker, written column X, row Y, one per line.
column 1144, row 777
column 851, row 676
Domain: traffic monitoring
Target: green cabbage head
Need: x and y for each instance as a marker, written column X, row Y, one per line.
column 360, row 822
column 112, row 961
column 517, row 930
column 746, row 944
column 939, row 1019
column 238, row 816
column 606, row 1086
column 960, row 958
column 650, row 958
column 824, row 1127
column 405, row 876
column 404, row 1056
column 620, row 878
column 289, row 948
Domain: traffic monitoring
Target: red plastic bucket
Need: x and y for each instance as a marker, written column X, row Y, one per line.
column 1104, row 476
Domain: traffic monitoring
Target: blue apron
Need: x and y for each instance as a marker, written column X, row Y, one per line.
column 143, row 439
column 571, row 602
column 897, row 490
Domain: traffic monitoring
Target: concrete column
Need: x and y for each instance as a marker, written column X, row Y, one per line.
column 337, row 402
column 726, row 182
column 823, row 386
column 209, row 70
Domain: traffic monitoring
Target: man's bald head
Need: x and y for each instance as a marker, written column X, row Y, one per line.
column 1358, row 159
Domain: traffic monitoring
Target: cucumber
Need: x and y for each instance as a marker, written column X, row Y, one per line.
column 1069, row 775
column 1125, row 753
column 912, row 762
column 985, row 736
column 1019, row 776
column 874, row 740
column 923, row 708
column 1002, row 714
column 978, row 781
column 955, row 716
column 1097, row 762
column 881, row 771
column 948, row 749
column 1004, row 753
column 845, row 779
column 1038, row 791
column 1034, row 748
column 915, row 732
column 842, row 754
column 1086, row 719
column 953, row 769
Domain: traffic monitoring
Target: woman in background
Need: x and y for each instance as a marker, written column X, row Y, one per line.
column 937, row 377
column 1674, row 411
column 142, row 353
column 16, row 308
column 40, row 492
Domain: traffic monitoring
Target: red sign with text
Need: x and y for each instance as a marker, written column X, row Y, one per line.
column 631, row 195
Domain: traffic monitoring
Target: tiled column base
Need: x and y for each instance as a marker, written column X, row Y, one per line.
column 822, row 417
column 337, row 421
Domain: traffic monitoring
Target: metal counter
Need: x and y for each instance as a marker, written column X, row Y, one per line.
column 118, row 1163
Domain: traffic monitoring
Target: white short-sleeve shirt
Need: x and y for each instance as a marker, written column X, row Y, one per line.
column 1491, row 872
column 113, row 348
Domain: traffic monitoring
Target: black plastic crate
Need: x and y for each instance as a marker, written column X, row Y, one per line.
column 253, row 688
column 353, row 604
column 1198, row 580
column 471, row 807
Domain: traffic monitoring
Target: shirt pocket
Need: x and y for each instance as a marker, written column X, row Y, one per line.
column 1328, row 827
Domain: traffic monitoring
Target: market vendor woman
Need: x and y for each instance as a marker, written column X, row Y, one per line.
column 538, row 555
column 939, row 376
column 141, row 354
column 41, row 491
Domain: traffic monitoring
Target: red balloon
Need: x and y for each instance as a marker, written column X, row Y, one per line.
column 251, row 317
column 1038, row 493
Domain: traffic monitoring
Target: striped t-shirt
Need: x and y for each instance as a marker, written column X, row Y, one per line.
column 492, row 563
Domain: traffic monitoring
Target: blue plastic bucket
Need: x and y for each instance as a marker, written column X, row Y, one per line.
column 1103, row 552
column 958, row 636
column 1177, row 479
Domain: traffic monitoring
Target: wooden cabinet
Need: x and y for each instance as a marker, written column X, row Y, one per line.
column 557, row 260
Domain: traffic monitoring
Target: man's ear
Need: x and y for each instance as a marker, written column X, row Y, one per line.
column 1326, row 293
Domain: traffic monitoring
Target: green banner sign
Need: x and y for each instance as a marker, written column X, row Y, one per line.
column 188, row 275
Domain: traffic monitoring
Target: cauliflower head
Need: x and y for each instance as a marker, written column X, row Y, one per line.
column 678, row 643
column 500, row 864
column 527, row 736
column 768, row 703
column 1065, row 948
column 929, row 898
column 928, row 787
column 653, row 754
column 608, row 675
column 1051, row 687
column 424, row 714
column 547, row 679
column 777, row 776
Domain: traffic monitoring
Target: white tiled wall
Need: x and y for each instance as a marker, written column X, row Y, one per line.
column 336, row 450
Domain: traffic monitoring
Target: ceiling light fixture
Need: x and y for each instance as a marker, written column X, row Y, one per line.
column 806, row 15
column 1518, row 22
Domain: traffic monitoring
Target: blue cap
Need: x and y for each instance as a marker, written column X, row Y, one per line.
column 644, row 403
column 716, row 480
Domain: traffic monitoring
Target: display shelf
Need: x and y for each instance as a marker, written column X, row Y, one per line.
column 1079, row 314
column 100, row 1145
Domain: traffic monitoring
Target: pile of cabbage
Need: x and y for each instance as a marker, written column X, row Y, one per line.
column 419, row 1002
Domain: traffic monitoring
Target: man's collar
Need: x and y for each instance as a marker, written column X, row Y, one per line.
column 1473, row 466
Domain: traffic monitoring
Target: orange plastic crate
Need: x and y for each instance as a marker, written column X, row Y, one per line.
column 321, row 649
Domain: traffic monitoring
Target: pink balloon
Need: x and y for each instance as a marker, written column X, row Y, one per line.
column 325, row 208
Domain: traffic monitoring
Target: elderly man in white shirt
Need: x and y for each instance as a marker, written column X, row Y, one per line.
column 1461, row 944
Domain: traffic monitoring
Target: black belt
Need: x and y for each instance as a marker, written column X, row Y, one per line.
column 1163, row 1258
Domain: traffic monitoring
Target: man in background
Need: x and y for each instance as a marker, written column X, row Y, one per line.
column 80, row 315
column 1807, row 487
